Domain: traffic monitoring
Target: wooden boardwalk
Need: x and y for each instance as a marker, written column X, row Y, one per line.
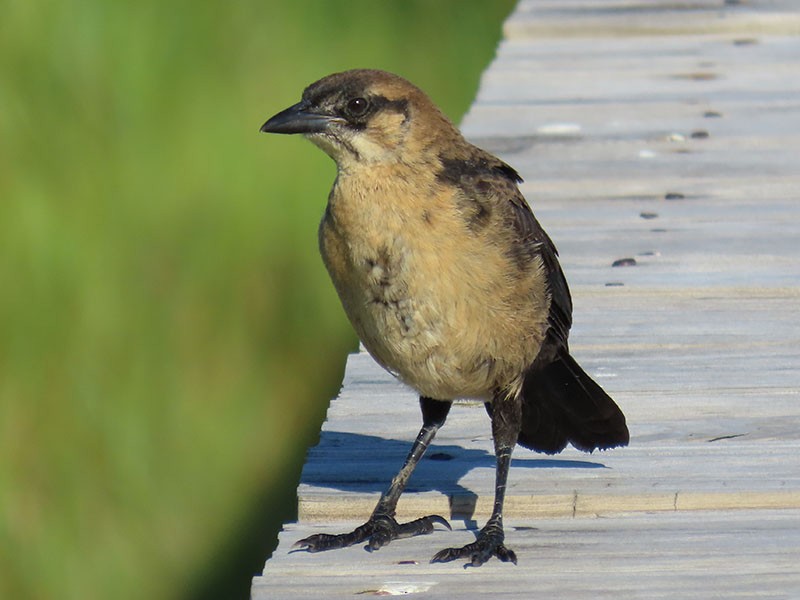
column 665, row 134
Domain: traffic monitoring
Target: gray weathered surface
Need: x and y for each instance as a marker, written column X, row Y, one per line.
column 738, row 554
column 606, row 108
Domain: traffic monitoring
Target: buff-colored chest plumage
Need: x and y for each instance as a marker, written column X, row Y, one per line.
column 434, row 302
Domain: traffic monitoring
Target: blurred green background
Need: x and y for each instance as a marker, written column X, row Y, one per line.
column 169, row 339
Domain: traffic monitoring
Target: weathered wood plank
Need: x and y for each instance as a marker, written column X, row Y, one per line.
column 694, row 446
column 741, row 554
column 566, row 18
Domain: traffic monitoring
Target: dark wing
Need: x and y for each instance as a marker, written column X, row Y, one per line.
column 561, row 403
column 534, row 241
column 481, row 177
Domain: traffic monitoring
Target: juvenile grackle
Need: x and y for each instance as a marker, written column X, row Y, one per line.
column 451, row 284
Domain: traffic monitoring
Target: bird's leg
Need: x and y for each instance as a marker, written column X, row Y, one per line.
column 506, row 414
column 381, row 528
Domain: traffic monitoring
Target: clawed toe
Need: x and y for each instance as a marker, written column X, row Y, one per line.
column 309, row 544
column 324, row 541
column 377, row 532
column 505, row 554
column 421, row 526
column 479, row 551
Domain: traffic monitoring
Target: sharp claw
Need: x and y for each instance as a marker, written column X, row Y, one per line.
column 309, row 544
column 440, row 520
column 422, row 526
column 320, row 542
column 297, row 546
column 303, row 544
column 505, row 554
column 446, row 555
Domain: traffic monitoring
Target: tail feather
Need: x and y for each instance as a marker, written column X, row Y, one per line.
column 562, row 404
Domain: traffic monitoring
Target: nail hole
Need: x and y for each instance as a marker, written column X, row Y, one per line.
column 696, row 76
column 624, row 262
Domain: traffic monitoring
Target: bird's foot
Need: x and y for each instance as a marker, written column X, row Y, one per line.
column 489, row 543
column 377, row 532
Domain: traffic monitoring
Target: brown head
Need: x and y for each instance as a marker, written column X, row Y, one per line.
column 365, row 117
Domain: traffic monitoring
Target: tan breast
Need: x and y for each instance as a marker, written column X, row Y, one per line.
column 441, row 306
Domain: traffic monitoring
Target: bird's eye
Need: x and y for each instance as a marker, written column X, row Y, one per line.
column 357, row 107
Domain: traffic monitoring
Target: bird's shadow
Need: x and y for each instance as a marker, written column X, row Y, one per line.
column 358, row 463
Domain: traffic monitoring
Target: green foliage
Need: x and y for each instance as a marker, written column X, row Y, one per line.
column 168, row 337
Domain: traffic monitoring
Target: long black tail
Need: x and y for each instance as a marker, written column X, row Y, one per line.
column 562, row 404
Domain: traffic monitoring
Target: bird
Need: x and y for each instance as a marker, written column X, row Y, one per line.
column 452, row 286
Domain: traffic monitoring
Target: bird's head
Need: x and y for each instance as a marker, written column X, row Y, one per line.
column 365, row 117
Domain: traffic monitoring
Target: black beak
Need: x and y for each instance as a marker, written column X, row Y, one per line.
column 297, row 119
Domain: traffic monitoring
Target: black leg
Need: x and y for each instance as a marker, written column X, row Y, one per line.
column 506, row 414
column 382, row 526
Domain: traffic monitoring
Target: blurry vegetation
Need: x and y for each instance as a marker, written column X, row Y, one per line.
column 168, row 336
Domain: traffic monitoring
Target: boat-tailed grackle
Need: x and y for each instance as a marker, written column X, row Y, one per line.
column 451, row 284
